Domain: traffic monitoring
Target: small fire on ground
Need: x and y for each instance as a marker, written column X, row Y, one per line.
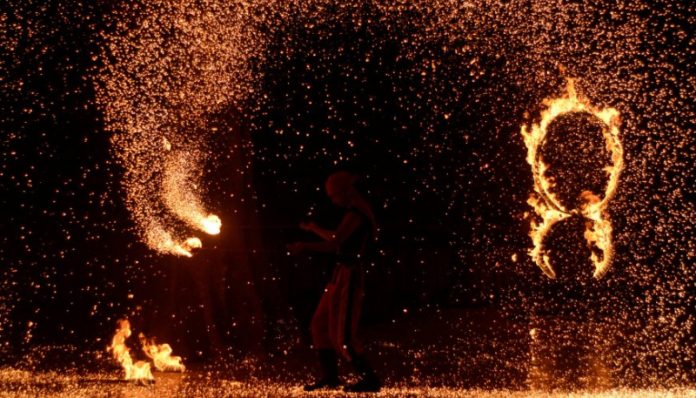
column 548, row 207
column 160, row 354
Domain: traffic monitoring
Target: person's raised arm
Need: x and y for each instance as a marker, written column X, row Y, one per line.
column 351, row 221
column 321, row 232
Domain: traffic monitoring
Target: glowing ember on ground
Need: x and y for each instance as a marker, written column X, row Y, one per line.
column 210, row 384
column 545, row 203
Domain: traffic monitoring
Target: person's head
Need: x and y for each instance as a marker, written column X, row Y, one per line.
column 339, row 187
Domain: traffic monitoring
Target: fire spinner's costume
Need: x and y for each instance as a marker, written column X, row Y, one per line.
column 335, row 323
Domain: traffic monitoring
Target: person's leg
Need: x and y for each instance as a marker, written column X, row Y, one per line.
column 329, row 371
column 368, row 380
column 322, row 343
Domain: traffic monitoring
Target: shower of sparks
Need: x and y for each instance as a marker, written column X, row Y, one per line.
column 164, row 77
column 180, row 199
column 545, row 203
column 214, row 384
column 425, row 95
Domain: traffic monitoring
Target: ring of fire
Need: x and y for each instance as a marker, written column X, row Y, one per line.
column 545, row 203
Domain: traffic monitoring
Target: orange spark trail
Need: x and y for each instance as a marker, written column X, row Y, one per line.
column 176, row 63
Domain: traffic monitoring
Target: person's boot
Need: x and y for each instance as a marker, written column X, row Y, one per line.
column 369, row 382
column 329, row 372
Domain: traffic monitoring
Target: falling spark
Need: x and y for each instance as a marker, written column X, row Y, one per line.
column 138, row 371
column 547, row 206
column 161, row 240
column 179, row 195
column 161, row 355
column 158, row 112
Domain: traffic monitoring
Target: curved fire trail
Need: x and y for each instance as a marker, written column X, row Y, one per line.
column 545, row 203
column 173, row 66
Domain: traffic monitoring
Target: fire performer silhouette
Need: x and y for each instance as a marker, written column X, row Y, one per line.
column 335, row 321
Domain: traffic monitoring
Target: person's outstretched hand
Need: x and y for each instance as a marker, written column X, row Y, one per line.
column 308, row 226
column 296, row 248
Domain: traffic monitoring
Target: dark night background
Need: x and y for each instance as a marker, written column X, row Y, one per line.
column 449, row 192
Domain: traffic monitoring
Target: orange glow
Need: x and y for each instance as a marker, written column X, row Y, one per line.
column 134, row 371
column 180, row 194
column 162, row 241
column 157, row 99
column 211, row 224
column 161, row 355
column 547, row 206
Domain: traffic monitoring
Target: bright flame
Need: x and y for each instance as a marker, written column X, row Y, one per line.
column 548, row 207
column 211, row 224
column 134, row 371
column 161, row 355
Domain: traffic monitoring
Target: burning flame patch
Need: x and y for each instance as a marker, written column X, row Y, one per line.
column 140, row 370
column 161, row 355
column 598, row 232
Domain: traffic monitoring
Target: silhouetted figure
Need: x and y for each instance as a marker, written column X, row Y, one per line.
column 335, row 321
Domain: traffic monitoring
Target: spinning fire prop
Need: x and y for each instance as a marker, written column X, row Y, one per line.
column 178, row 195
column 545, row 203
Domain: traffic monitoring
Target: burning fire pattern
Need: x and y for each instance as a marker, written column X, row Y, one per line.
column 160, row 354
column 548, row 207
column 168, row 67
column 177, row 192
column 139, row 370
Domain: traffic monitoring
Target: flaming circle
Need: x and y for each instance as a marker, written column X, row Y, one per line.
column 545, row 203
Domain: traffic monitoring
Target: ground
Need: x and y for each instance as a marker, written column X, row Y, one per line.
column 473, row 353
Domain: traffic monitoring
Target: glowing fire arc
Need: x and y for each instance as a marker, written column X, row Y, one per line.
column 598, row 232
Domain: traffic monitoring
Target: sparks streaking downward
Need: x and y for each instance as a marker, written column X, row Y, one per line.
column 165, row 73
column 545, row 203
